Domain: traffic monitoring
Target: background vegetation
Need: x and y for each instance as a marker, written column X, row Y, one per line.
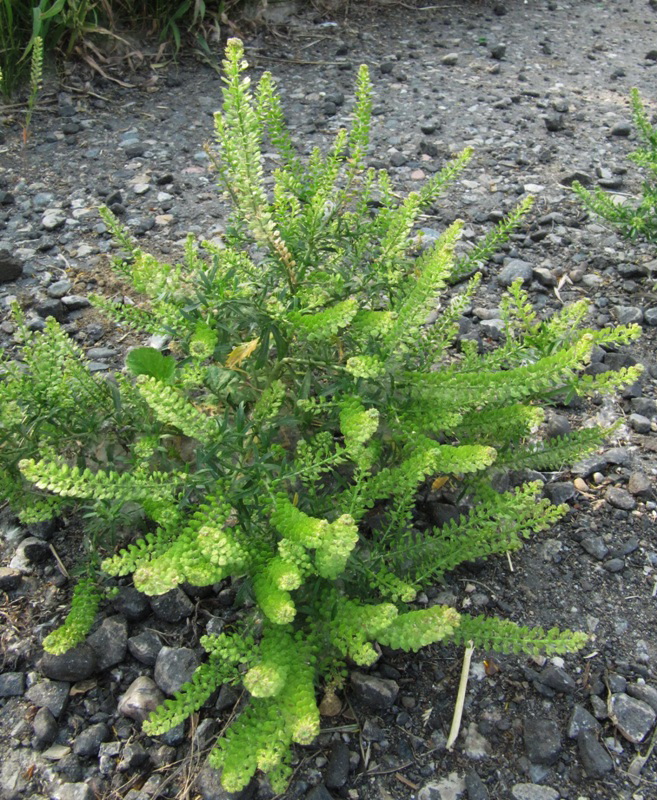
column 67, row 25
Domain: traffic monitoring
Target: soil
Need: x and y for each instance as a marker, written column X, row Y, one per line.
column 540, row 90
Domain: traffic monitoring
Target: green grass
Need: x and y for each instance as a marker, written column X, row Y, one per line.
column 63, row 25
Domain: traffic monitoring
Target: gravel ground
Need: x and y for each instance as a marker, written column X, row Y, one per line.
column 540, row 89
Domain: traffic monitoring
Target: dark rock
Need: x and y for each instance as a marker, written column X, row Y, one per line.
column 620, row 498
column 44, row 529
column 145, row 647
column 639, row 423
column 10, row 579
column 135, row 150
column 54, row 219
column 336, row 97
column 576, row 175
column 498, row 51
column 109, row 642
column 633, row 718
column 132, row 757
column 646, row 406
column 558, row 679
column 70, row 768
column 640, row 485
column 492, row 329
column 45, row 728
column 581, row 720
column 174, row 736
column 619, row 455
column 641, row 691
column 132, row 604
column 595, row 759
column 75, row 664
column 557, row 425
column 628, row 269
column 319, row 792
column 626, row 315
column 542, row 741
column 36, row 551
column 499, row 9
column 599, row 707
column 555, row 122
column 11, row 268
column 174, row 666
column 74, row 302
column 88, row 742
column 375, row 692
column 337, row 769
column 141, row 697
column 587, row 466
column 595, row 546
column 617, row 683
column 372, row 732
column 515, row 269
column 49, row 694
column 73, row 791
column 227, row 697
column 172, row 606
column 651, row 55
column 12, row 684
column 544, row 276
column 560, row 492
column 49, row 307
column 163, row 755
column 625, row 549
column 614, row 565
column 475, row 787
column 58, row 289
column 622, row 128
column 208, row 785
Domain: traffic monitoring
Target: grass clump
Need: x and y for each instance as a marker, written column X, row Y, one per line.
column 63, row 27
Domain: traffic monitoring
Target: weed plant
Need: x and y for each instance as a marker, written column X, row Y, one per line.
column 633, row 219
column 280, row 446
column 36, row 75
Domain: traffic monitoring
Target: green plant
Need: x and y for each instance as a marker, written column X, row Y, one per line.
column 633, row 219
column 305, row 396
column 36, row 74
column 15, row 27
column 168, row 18
column 64, row 25
column 24, row 26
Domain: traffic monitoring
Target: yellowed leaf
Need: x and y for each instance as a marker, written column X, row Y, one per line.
column 240, row 353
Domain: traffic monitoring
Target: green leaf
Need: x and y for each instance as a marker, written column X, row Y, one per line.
column 149, row 361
